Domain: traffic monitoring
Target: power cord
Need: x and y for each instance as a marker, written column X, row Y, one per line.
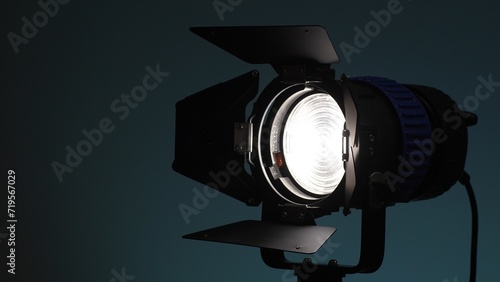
column 465, row 180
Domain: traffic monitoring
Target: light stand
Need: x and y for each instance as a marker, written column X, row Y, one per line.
column 371, row 250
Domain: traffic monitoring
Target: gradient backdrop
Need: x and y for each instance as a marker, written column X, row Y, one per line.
column 115, row 216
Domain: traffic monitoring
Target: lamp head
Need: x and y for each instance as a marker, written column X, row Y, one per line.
column 314, row 144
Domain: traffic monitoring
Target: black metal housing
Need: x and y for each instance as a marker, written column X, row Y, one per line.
column 301, row 55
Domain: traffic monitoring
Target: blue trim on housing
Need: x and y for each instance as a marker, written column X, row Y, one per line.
column 415, row 125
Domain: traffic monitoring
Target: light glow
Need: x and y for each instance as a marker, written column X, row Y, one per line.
column 312, row 143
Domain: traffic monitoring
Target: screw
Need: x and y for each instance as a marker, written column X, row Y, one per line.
column 332, row 262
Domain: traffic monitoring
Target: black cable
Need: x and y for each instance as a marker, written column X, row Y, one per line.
column 465, row 180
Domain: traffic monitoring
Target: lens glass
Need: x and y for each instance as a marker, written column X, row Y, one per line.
column 312, row 143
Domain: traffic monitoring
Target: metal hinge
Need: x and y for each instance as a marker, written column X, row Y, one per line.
column 243, row 137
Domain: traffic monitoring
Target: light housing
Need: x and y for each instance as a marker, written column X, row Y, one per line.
column 314, row 144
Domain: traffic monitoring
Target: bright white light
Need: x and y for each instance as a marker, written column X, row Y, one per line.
column 312, row 143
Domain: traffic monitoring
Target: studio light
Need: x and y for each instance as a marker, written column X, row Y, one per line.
column 313, row 145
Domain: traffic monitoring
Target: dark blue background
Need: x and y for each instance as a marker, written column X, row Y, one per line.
column 118, row 209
